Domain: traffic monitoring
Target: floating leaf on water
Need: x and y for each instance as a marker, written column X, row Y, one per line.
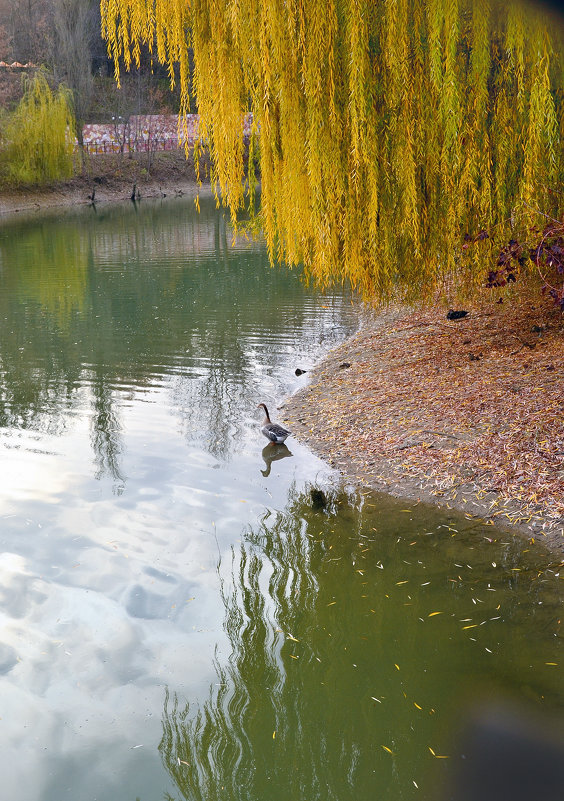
column 437, row 756
column 472, row 626
column 274, row 735
column 389, row 750
column 432, row 614
column 376, row 699
column 417, row 705
column 402, row 582
column 551, row 663
column 397, row 667
column 332, row 602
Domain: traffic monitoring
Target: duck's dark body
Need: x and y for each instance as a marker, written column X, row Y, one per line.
column 272, row 431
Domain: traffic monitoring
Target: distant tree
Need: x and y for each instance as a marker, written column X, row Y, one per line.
column 5, row 41
column 75, row 29
column 38, row 137
column 26, row 24
column 386, row 130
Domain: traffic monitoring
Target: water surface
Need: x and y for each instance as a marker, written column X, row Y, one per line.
column 178, row 620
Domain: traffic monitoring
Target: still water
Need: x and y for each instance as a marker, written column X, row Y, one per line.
column 178, row 620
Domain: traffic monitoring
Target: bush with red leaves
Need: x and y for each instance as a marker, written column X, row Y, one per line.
column 544, row 253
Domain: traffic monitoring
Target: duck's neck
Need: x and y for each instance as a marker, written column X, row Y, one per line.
column 267, row 416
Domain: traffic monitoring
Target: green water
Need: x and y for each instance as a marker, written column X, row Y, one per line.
column 178, row 620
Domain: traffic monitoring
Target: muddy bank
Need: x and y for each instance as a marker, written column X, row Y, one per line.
column 109, row 179
column 468, row 414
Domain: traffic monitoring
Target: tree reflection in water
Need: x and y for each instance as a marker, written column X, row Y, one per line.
column 356, row 653
column 273, row 725
column 211, row 751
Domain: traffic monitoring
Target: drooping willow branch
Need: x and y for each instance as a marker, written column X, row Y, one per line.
column 385, row 131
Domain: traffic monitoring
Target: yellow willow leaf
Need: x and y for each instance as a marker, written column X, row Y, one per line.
column 382, row 132
column 389, row 750
column 432, row 614
column 437, row 756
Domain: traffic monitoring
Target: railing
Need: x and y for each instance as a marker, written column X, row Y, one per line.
column 100, row 146
column 144, row 134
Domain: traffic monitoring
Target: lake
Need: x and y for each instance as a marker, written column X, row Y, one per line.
column 180, row 618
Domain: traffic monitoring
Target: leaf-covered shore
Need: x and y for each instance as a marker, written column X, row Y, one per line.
column 466, row 413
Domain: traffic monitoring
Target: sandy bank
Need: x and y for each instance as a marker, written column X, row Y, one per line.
column 466, row 414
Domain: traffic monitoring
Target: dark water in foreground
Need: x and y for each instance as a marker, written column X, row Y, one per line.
column 178, row 621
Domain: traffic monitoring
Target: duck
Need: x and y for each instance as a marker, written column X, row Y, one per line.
column 453, row 314
column 272, row 431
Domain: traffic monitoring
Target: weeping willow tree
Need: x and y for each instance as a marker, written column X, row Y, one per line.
column 38, row 138
column 386, row 132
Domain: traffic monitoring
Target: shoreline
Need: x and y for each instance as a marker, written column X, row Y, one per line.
column 457, row 414
column 111, row 178
column 429, row 410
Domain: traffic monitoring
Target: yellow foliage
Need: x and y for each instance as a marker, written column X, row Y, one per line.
column 39, row 136
column 385, row 131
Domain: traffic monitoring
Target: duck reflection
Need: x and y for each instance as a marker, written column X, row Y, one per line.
column 272, row 453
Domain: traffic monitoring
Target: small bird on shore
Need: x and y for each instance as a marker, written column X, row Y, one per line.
column 453, row 314
column 272, row 431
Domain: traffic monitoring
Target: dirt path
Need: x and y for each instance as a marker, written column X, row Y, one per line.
column 466, row 414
